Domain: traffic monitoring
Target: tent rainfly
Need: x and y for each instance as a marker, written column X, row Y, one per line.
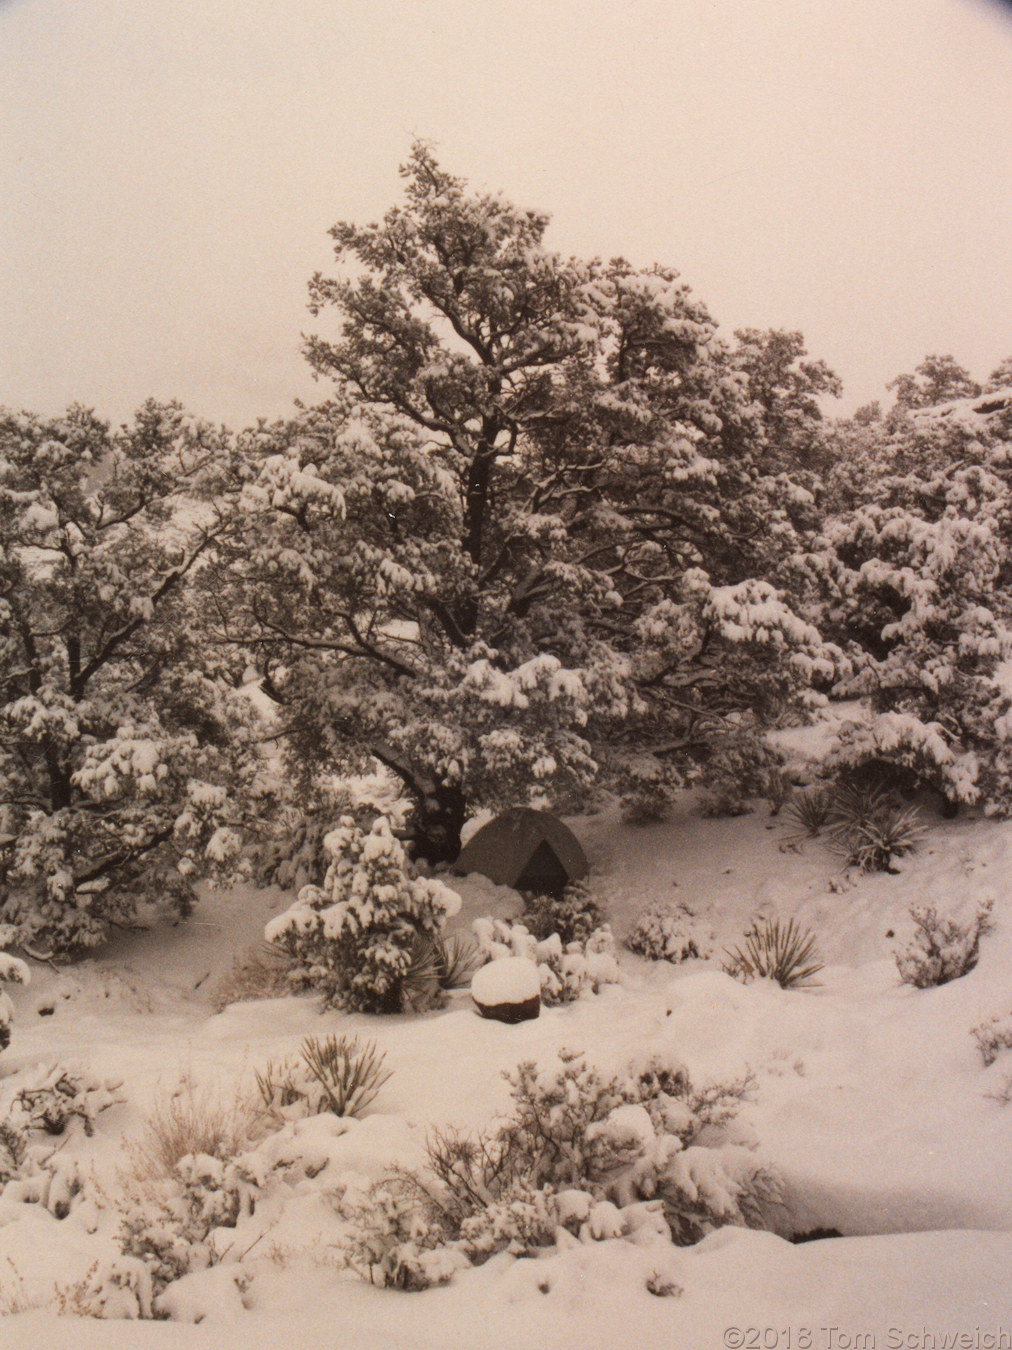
column 526, row 849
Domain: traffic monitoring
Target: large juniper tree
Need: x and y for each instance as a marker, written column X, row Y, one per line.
column 521, row 548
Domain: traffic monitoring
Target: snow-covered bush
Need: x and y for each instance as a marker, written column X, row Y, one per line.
column 338, row 1074
column 34, row 1174
column 35, row 1105
column 737, row 770
column 942, row 948
column 775, row 951
column 398, row 1237
column 12, row 971
column 566, row 971
column 180, row 1224
column 669, row 931
column 352, row 938
column 993, row 1035
column 574, row 914
column 582, row 1153
column 53, row 1096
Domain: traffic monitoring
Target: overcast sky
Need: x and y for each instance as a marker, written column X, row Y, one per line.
column 168, row 172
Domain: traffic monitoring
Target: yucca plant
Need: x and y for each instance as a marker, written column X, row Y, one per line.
column 871, row 827
column 855, row 804
column 775, row 951
column 809, row 811
column 456, row 961
column 333, row 1073
column 872, row 846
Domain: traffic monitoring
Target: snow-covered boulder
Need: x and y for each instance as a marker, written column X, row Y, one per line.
column 508, row 990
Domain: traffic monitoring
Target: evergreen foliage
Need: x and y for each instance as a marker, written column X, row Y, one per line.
column 120, row 746
column 353, row 938
column 525, row 548
column 909, row 576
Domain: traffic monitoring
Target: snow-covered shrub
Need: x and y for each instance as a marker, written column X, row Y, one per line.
column 53, row 1096
column 775, row 951
column 645, row 807
column 120, row 1288
column 582, row 1153
column 737, row 770
column 294, row 856
column 566, row 971
column 13, row 1149
column 993, row 1035
column 174, row 1226
column 338, row 1074
column 35, row 1106
column 398, row 1237
column 352, row 938
column 574, row 915
column 12, row 971
column 942, row 948
column 669, row 931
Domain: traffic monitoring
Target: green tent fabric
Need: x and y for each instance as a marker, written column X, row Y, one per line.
column 526, row 849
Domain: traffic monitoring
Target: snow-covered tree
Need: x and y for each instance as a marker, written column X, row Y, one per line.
column 521, row 549
column 912, row 576
column 353, row 938
column 119, row 748
column 938, row 379
column 785, row 390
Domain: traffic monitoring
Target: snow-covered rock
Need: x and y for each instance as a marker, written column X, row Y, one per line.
column 508, row 990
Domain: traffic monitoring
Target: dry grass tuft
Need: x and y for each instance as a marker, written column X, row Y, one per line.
column 191, row 1120
column 14, row 1296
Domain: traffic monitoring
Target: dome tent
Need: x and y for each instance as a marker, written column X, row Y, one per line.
column 526, row 849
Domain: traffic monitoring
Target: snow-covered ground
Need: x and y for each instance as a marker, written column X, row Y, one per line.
column 871, row 1101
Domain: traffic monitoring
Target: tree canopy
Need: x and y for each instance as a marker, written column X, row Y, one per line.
column 118, row 746
column 524, row 547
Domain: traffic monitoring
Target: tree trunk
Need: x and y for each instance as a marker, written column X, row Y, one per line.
column 438, row 819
